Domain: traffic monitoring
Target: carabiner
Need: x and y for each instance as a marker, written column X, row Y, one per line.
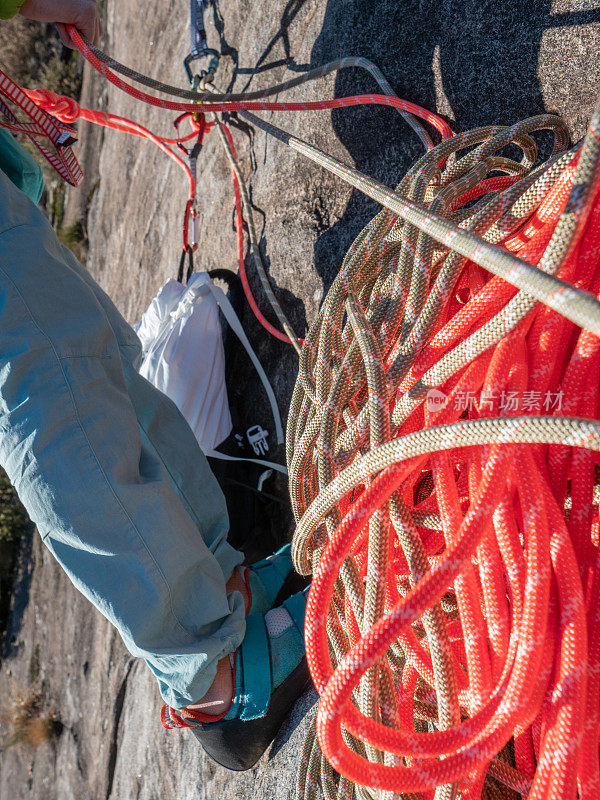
column 190, row 213
column 212, row 64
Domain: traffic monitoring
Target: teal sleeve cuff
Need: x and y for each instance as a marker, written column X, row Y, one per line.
column 21, row 167
column 8, row 8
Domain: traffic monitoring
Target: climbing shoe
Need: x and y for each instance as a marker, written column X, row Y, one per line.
column 269, row 674
column 271, row 581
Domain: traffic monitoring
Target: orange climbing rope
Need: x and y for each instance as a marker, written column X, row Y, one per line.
column 69, row 111
column 443, row 474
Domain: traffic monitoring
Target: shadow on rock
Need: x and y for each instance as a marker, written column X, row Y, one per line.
column 20, row 592
column 299, row 715
column 477, row 63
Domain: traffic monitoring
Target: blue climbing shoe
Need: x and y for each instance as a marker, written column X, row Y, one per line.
column 270, row 673
column 272, row 580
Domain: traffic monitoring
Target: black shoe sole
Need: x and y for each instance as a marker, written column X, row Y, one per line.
column 238, row 744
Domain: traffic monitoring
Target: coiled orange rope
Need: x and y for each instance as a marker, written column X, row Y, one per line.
column 443, row 449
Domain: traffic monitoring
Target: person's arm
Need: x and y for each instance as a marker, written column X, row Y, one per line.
column 83, row 14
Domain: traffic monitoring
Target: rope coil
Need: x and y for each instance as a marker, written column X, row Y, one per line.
column 458, row 653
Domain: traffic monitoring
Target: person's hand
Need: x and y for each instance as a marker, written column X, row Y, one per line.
column 83, row 14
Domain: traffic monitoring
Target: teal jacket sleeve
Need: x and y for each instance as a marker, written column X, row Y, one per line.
column 20, row 167
column 8, row 8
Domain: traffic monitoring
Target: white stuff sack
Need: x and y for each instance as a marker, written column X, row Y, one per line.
column 183, row 356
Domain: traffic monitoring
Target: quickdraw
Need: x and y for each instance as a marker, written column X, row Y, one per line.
column 199, row 47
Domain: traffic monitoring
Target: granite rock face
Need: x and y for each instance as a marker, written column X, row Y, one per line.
column 476, row 63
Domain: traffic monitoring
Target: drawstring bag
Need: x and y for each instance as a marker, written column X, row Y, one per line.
column 183, row 356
